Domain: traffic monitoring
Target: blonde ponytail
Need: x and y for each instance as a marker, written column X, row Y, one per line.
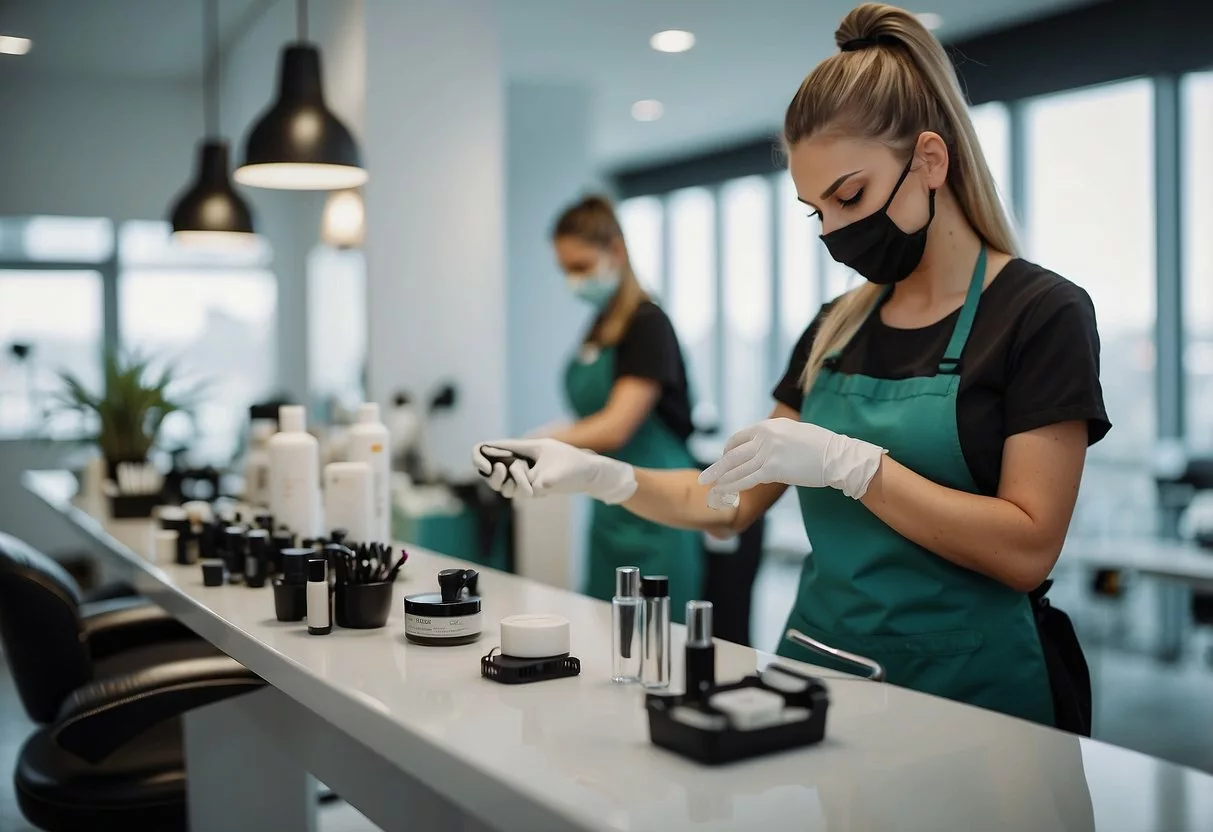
column 893, row 83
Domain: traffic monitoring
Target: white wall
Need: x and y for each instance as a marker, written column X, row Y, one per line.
column 291, row 220
column 95, row 147
column 435, row 116
column 549, row 165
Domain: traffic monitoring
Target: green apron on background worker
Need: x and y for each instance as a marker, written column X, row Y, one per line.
column 934, row 626
column 618, row 537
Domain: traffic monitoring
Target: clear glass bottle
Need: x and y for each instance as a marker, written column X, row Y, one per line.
column 627, row 626
column 655, row 668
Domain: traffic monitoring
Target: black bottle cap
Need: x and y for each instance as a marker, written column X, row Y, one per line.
column 266, row 521
column 655, row 586
column 294, row 565
column 452, row 581
column 233, row 532
column 258, row 540
column 338, row 535
column 318, row 571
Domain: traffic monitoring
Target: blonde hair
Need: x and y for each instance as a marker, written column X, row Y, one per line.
column 593, row 221
column 891, row 82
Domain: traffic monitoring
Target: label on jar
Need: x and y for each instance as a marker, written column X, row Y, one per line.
column 442, row 626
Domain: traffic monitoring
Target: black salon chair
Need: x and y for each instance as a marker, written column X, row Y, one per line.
column 109, row 682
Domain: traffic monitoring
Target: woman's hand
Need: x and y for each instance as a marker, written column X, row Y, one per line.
column 795, row 453
column 558, row 468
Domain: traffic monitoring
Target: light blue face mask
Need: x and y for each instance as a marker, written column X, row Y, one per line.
column 596, row 289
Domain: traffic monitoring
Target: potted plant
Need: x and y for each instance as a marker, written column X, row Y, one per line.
column 131, row 409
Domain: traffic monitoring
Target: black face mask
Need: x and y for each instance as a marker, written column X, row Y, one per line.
column 875, row 247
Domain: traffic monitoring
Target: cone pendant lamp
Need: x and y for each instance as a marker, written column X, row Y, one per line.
column 297, row 143
column 210, row 212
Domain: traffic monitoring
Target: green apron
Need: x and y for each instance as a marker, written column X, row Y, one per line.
column 935, row 626
column 618, row 537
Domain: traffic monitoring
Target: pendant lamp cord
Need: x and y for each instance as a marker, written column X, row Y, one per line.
column 211, row 69
column 301, row 19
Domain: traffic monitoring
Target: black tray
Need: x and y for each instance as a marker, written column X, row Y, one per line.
column 511, row 671
column 727, row 745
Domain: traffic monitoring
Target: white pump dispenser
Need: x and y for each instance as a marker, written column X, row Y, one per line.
column 295, row 474
column 369, row 443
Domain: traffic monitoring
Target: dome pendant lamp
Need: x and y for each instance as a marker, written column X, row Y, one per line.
column 298, row 144
column 210, row 212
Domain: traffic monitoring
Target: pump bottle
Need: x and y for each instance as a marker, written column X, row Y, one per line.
column 295, row 474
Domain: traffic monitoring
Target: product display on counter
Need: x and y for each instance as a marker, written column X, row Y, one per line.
column 627, row 623
column 234, row 552
column 295, row 473
column 319, row 598
column 214, row 572
column 445, row 618
column 655, row 665
column 370, row 443
column 348, row 500
column 700, row 652
column 165, row 548
column 256, row 558
column 534, row 648
column 759, row 714
column 365, row 575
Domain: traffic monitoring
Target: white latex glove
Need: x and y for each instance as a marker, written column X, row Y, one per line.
column 792, row 452
column 559, row 468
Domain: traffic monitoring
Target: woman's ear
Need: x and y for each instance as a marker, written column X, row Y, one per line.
column 932, row 153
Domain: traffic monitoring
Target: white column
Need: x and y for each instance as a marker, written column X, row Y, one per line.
column 548, row 166
column 433, row 144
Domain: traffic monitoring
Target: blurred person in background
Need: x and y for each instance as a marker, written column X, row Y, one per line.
column 627, row 385
column 935, row 419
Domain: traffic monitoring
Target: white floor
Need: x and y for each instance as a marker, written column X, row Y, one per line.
column 1159, row 709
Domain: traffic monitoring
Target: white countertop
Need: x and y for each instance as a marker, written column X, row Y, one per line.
column 1171, row 559
column 574, row 753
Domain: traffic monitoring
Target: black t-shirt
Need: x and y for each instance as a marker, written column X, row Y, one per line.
column 649, row 349
column 1032, row 360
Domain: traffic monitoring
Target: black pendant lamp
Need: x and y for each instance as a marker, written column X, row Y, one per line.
column 298, row 144
column 210, row 212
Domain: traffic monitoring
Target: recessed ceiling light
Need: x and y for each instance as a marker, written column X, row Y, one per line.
column 672, row 40
column 10, row 45
column 930, row 19
column 647, row 110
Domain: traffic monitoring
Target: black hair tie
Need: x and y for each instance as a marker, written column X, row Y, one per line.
column 856, row 44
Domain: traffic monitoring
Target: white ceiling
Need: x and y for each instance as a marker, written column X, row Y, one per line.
column 749, row 57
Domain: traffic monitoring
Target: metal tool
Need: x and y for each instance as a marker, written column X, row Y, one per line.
column 875, row 668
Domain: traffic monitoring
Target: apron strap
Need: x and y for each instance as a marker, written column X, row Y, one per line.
column 960, row 335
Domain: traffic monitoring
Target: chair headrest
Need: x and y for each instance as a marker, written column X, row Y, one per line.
column 18, row 556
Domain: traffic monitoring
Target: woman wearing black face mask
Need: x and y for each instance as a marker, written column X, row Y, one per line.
column 935, row 420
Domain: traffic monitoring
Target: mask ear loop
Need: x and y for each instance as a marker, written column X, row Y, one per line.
column 930, row 198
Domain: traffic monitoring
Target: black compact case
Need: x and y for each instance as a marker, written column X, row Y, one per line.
column 725, row 745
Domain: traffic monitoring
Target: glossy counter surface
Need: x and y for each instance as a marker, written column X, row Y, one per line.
column 573, row 754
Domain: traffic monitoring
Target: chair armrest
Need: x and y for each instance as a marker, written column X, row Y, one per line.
column 101, row 717
column 109, row 627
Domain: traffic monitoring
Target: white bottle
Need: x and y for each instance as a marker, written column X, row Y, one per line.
column 257, row 465
column 369, row 443
column 347, row 500
column 295, row 474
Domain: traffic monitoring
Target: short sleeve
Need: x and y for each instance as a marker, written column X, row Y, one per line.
column 788, row 391
column 649, row 348
column 1054, row 366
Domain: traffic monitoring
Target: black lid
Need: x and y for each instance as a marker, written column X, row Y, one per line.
column 655, row 586
column 234, row 531
column 294, row 564
column 258, row 539
column 452, row 581
column 318, row 570
column 430, row 604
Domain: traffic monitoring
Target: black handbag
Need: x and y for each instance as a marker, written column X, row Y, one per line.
column 1069, row 676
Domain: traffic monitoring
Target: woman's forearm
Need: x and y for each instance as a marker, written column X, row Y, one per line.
column 675, row 498
column 989, row 535
column 597, row 432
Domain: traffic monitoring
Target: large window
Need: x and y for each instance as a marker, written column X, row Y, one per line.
column 336, row 282
column 747, row 280
column 799, row 273
column 211, row 316
column 50, row 321
column 1197, row 189
column 1090, row 217
column 692, row 292
column 642, row 221
column 992, row 123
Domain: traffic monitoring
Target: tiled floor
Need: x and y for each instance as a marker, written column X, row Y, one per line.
column 1162, row 710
